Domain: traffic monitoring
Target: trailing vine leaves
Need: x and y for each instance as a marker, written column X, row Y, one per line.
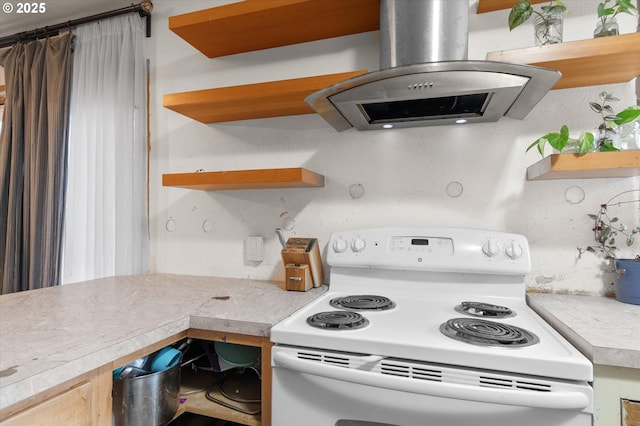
column 607, row 228
column 587, row 141
column 607, row 131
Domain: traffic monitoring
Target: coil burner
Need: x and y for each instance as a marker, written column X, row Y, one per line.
column 487, row 310
column 363, row 302
column 338, row 320
column 487, row 333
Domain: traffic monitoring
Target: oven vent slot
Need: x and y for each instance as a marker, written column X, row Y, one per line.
column 310, row 356
column 334, row 360
column 324, row 358
column 533, row 386
column 502, row 382
column 410, row 371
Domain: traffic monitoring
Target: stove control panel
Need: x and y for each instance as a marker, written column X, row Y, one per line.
column 431, row 249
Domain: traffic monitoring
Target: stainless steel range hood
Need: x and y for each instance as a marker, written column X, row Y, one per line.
column 425, row 77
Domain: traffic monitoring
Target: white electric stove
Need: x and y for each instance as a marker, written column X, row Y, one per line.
column 426, row 326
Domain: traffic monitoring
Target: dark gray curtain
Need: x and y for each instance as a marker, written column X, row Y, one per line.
column 33, row 161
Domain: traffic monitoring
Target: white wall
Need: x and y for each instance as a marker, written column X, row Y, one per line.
column 405, row 173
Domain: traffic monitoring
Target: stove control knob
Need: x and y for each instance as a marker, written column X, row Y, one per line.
column 340, row 245
column 358, row 244
column 490, row 248
column 513, row 251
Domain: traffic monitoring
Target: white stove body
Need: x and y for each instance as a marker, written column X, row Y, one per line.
column 400, row 369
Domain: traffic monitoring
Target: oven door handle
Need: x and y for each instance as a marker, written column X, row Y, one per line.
column 562, row 400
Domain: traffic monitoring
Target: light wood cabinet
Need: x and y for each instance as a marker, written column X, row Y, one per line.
column 86, row 403
column 71, row 408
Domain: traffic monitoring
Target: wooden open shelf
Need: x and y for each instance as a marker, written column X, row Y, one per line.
column 603, row 60
column 254, row 25
column 493, row 5
column 260, row 100
column 591, row 165
column 245, row 179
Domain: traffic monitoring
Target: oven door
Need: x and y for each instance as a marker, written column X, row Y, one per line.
column 325, row 388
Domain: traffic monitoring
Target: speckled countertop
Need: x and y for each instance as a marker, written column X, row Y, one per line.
column 604, row 330
column 52, row 335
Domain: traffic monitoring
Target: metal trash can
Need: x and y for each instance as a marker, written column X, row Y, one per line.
column 149, row 400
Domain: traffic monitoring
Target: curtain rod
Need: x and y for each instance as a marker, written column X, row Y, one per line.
column 144, row 8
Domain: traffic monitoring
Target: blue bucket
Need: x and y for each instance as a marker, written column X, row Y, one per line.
column 628, row 282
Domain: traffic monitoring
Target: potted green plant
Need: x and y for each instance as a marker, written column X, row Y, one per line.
column 548, row 21
column 587, row 141
column 607, row 230
column 607, row 25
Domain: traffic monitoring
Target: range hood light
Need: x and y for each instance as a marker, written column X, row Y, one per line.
column 461, row 121
column 387, row 126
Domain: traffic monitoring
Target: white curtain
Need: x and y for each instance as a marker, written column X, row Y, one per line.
column 105, row 223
